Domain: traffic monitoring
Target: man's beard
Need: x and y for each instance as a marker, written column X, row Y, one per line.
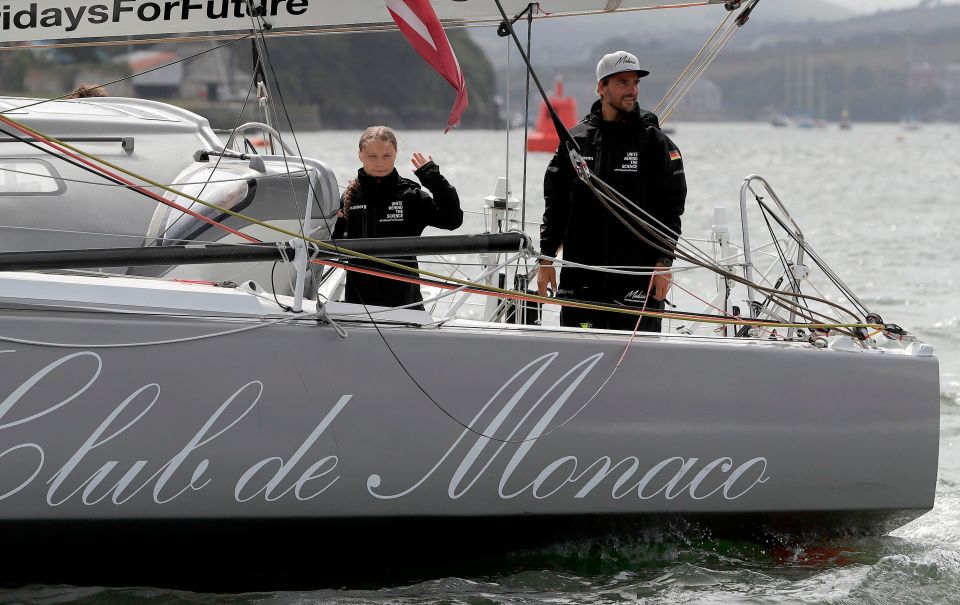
column 626, row 106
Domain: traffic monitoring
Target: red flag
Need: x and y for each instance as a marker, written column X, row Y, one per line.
column 421, row 27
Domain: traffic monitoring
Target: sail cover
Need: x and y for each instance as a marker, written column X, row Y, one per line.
column 64, row 19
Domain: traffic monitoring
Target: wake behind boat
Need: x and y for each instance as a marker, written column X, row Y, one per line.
column 158, row 401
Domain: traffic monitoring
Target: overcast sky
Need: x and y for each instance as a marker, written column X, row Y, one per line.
column 872, row 6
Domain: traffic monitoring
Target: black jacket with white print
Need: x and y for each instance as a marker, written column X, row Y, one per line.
column 392, row 206
column 637, row 159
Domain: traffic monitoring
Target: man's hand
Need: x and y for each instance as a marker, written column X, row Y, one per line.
column 419, row 161
column 546, row 276
column 662, row 280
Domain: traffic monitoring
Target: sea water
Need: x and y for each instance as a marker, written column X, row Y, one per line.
column 882, row 207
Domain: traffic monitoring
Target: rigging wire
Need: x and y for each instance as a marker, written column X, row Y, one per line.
column 216, row 165
column 125, row 345
column 419, row 386
column 683, row 74
column 477, row 288
column 531, row 8
column 701, row 69
column 373, row 322
column 261, row 50
column 705, row 61
column 781, row 255
column 833, row 277
column 490, row 290
column 526, row 114
column 132, row 186
column 665, row 247
column 335, row 247
column 100, row 183
column 667, row 243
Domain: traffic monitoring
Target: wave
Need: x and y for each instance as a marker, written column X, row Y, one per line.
column 952, row 324
column 921, row 565
column 949, row 392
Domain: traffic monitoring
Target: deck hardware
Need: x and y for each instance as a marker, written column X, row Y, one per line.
column 126, row 143
column 256, row 162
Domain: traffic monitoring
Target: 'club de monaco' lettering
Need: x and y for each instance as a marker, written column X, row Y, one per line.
column 122, row 454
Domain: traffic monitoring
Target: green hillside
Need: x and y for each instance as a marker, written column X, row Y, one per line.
column 351, row 81
column 362, row 79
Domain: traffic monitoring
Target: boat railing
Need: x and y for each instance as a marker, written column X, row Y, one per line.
column 794, row 262
column 126, row 143
column 272, row 134
column 795, row 232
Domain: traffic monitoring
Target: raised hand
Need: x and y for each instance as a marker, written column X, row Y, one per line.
column 419, row 160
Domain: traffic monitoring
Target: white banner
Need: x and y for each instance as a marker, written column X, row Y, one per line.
column 25, row 20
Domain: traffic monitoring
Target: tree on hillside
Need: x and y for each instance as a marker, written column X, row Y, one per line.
column 378, row 77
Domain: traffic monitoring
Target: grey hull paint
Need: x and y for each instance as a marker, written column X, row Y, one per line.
column 295, row 422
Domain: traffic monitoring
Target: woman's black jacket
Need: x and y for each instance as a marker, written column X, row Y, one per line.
column 393, row 206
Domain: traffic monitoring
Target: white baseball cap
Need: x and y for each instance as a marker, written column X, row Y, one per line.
column 617, row 62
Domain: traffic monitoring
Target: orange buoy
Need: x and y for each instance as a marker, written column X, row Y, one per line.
column 260, row 142
column 544, row 136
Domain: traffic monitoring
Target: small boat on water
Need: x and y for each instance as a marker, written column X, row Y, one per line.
column 199, row 407
column 911, row 123
column 845, row 123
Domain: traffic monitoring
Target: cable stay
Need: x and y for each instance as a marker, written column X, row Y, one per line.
column 303, row 249
column 705, row 57
column 621, row 207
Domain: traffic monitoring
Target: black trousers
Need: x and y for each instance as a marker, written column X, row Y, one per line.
column 381, row 291
column 606, row 320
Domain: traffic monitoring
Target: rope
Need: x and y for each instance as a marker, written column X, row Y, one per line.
column 478, row 288
column 711, row 265
column 153, row 343
column 324, row 318
column 471, row 286
column 236, row 124
column 258, row 177
column 76, row 156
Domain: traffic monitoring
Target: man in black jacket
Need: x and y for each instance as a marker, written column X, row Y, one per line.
column 624, row 146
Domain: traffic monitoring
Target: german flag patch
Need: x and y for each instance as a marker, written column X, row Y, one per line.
column 674, row 155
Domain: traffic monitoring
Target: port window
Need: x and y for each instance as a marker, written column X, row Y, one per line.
column 29, row 177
